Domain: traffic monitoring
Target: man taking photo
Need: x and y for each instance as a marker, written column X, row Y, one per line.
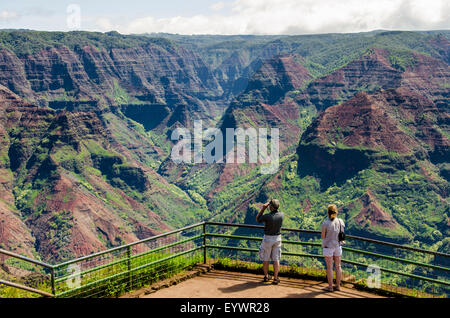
column 270, row 248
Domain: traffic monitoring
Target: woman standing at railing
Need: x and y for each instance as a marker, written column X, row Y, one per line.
column 331, row 245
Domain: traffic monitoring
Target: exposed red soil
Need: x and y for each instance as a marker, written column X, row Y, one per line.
column 374, row 121
column 372, row 214
column 14, row 234
column 294, row 71
column 306, row 205
column 366, row 123
column 93, row 225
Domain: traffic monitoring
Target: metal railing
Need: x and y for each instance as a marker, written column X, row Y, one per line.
column 11, row 261
column 401, row 269
column 117, row 270
column 396, row 268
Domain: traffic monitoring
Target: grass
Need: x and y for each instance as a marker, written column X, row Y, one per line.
column 123, row 281
column 113, row 287
column 292, row 271
column 401, row 59
column 24, row 42
column 119, row 94
column 12, row 292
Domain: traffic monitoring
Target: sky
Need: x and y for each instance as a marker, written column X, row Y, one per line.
column 225, row 16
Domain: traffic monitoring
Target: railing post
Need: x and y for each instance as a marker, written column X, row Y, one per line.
column 52, row 280
column 204, row 243
column 129, row 267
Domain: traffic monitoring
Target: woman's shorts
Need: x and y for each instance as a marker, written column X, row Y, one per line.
column 332, row 251
column 270, row 248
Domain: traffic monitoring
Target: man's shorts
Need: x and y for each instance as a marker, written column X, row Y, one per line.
column 270, row 248
column 332, row 251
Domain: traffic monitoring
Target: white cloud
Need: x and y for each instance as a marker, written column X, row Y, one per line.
column 429, row 11
column 299, row 17
column 8, row 15
column 218, row 6
column 105, row 24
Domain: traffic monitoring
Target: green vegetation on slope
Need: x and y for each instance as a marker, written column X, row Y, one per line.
column 24, row 42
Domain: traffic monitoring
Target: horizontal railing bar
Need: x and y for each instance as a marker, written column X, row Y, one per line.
column 343, row 260
column 167, row 246
column 124, row 259
column 244, row 249
column 29, row 289
column 255, row 250
column 251, row 226
column 164, row 234
column 92, row 283
column 85, row 258
column 127, row 272
column 392, row 258
column 347, row 236
column 399, row 273
column 252, row 238
column 405, row 247
column 63, row 278
column 127, row 245
column 167, row 258
column 26, row 259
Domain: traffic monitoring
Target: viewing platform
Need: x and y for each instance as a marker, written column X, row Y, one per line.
column 210, row 283
column 211, row 259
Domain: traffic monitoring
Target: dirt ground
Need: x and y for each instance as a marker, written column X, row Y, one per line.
column 223, row 284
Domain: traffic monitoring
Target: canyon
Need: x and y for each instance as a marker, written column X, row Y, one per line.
column 86, row 120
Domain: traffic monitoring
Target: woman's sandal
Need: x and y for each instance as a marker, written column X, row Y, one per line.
column 266, row 278
column 328, row 289
column 276, row 281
